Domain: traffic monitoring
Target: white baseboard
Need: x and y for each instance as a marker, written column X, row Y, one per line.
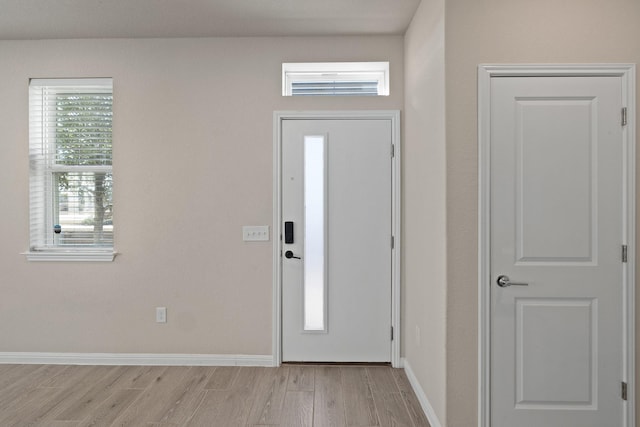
column 136, row 359
column 422, row 398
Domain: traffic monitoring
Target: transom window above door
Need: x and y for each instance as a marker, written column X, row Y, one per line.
column 335, row 79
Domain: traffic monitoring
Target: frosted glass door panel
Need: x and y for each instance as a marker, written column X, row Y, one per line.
column 315, row 233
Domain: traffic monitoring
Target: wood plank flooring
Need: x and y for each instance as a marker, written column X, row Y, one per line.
column 158, row 396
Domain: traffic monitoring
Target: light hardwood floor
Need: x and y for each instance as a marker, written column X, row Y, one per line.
column 158, row 396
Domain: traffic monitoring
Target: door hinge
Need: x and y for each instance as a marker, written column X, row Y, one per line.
column 624, row 253
column 392, row 333
column 624, row 116
column 393, row 150
column 624, row 391
column 393, row 242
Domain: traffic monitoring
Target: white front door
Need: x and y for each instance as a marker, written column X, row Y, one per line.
column 336, row 243
column 556, row 207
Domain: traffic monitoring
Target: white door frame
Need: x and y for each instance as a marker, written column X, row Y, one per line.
column 278, row 117
column 485, row 72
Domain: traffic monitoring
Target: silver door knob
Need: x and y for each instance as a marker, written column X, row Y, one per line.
column 503, row 281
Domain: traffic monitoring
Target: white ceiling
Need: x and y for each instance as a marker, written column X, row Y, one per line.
column 56, row 19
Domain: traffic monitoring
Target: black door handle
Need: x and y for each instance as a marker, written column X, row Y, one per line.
column 290, row 255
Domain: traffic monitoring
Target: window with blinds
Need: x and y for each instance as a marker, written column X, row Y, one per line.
column 335, row 87
column 335, row 79
column 70, row 154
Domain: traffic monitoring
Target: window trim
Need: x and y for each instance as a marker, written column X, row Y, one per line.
column 344, row 71
column 80, row 253
column 66, row 255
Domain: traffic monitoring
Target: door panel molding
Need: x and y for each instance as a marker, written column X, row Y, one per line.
column 278, row 118
column 626, row 72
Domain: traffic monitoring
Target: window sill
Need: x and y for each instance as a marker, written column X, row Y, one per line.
column 77, row 256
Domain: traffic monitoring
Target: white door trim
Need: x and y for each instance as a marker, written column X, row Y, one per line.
column 278, row 117
column 485, row 72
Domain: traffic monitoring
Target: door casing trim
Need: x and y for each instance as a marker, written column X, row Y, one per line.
column 396, row 215
column 485, row 73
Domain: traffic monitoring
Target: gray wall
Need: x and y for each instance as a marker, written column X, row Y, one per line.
column 504, row 31
column 425, row 215
column 193, row 137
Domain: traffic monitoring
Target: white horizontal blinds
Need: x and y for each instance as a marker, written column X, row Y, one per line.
column 335, row 87
column 70, row 147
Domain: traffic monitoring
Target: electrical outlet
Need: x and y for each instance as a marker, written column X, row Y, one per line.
column 161, row 314
column 253, row 233
column 418, row 336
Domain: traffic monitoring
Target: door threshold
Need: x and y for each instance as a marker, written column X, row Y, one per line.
column 387, row 364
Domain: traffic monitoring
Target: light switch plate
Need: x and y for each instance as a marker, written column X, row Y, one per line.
column 161, row 314
column 255, row 233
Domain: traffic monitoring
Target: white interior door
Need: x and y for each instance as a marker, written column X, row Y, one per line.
column 556, row 154
column 336, row 263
